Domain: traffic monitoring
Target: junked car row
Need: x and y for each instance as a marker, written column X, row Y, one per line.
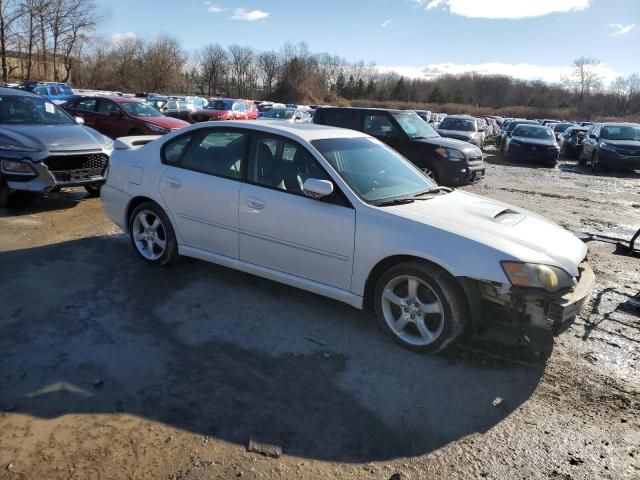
column 371, row 218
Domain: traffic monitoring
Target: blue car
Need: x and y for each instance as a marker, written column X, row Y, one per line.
column 57, row 92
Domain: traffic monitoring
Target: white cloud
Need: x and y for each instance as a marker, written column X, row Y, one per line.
column 213, row 8
column 385, row 24
column 122, row 36
column 249, row 15
column 620, row 29
column 505, row 8
column 525, row 71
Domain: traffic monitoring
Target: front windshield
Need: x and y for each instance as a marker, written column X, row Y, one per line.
column 31, row 110
column 621, row 132
column 220, row 105
column 414, row 126
column 561, row 127
column 282, row 113
column 372, row 170
column 531, row 131
column 140, row 109
column 458, row 124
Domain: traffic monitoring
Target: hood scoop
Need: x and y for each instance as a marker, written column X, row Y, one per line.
column 508, row 217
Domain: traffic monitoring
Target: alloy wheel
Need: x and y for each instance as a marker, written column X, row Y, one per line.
column 149, row 235
column 413, row 310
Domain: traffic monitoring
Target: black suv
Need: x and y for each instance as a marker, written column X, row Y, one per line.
column 449, row 162
column 615, row 145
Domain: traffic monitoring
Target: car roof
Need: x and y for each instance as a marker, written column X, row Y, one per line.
column 17, row 91
column 366, row 109
column 620, row 124
column 304, row 131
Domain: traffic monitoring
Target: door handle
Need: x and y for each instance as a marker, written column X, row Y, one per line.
column 256, row 203
column 173, row 183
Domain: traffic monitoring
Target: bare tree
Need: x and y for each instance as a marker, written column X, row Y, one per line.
column 624, row 90
column 214, row 64
column 269, row 67
column 9, row 13
column 241, row 59
column 584, row 78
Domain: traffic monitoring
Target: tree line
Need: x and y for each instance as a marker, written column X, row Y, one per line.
column 61, row 34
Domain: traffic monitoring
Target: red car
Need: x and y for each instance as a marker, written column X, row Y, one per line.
column 122, row 116
column 226, row 109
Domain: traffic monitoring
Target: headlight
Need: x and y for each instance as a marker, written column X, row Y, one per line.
column 450, row 154
column 606, row 146
column 533, row 275
column 17, row 167
column 156, row 128
column 109, row 145
column 17, row 148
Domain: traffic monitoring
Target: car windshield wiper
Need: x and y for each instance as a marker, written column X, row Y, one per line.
column 438, row 189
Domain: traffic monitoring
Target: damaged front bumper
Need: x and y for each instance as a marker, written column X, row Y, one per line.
column 544, row 310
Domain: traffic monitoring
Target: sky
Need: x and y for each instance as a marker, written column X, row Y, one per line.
column 529, row 39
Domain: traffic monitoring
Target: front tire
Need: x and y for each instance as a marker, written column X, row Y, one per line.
column 420, row 306
column 94, row 189
column 152, row 235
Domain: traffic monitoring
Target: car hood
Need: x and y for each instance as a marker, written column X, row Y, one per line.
column 624, row 144
column 213, row 113
column 520, row 234
column 450, row 143
column 456, row 133
column 535, row 141
column 165, row 122
column 54, row 138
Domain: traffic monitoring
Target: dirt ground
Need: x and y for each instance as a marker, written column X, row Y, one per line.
column 110, row 369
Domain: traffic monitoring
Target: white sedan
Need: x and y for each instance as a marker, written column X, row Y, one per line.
column 339, row 213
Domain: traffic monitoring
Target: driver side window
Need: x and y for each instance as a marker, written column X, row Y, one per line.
column 105, row 107
column 378, row 125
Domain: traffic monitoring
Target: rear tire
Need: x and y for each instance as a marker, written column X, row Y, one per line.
column 152, row 235
column 420, row 306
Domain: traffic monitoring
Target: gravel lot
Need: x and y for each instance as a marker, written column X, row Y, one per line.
column 112, row 369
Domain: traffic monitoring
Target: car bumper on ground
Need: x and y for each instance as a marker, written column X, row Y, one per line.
column 456, row 174
column 537, row 155
column 556, row 312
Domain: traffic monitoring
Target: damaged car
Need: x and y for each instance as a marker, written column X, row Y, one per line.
column 341, row 214
column 43, row 149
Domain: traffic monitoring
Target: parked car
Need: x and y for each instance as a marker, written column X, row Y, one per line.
column 195, row 102
column 156, row 102
column 290, row 114
column 570, row 141
column 613, row 145
column 383, row 236
column 507, row 129
column 226, row 109
column 448, row 161
column 177, row 109
column 559, row 128
column 462, row 127
column 57, row 92
column 44, row 149
column 546, row 122
column 530, row 142
column 122, row 116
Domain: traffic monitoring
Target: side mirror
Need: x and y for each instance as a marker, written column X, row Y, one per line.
column 79, row 120
column 316, row 188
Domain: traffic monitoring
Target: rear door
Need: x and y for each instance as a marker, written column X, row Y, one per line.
column 201, row 187
column 282, row 229
column 86, row 110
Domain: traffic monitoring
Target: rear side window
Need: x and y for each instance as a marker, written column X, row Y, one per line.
column 86, row 105
column 174, row 149
column 343, row 118
column 218, row 152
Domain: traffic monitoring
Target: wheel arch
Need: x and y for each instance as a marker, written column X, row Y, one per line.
column 468, row 286
column 133, row 204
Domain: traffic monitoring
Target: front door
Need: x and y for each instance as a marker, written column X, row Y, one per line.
column 201, row 188
column 281, row 228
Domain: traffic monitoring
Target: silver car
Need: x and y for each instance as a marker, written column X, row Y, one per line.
column 339, row 213
column 43, row 149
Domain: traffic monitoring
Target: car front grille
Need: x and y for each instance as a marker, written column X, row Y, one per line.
column 628, row 153
column 77, row 168
column 475, row 161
